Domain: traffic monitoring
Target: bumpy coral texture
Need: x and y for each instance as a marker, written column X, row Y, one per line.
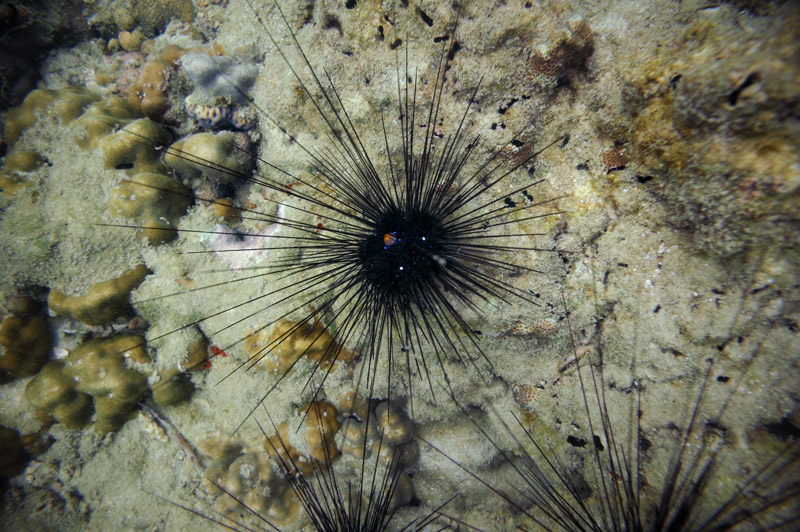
column 26, row 340
column 100, row 376
column 155, row 202
column 154, row 15
column 214, row 156
column 385, row 434
column 319, row 424
column 15, row 168
column 101, row 119
column 131, row 148
column 67, row 103
column 103, row 303
column 287, row 341
column 246, row 473
column 149, row 95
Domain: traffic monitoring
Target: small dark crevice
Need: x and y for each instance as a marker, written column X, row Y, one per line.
column 673, row 82
column 396, row 44
column 644, row 178
column 453, row 50
column 576, row 442
column 441, row 38
column 783, row 430
column 331, row 22
column 425, row 18
column 350, row 4
column 733, row 97
column 503, row 108
column 381, row 36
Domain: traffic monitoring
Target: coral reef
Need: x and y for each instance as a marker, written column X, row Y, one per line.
column 154, row 15
column 219, row 79
column 149, row 94
column 214, row 155
column 53, row 391
column 155, row 202
column 287, row 341
column 16, row 165
column 103, row 303
column 173, row 387
column 131, row 148
column 25, row 339
column 67, row 103
column 101, row 119
column 320, row 424
column 220, row 117
column 101, row 376
column 385, row 433
column 561, row 58
column 246, row 474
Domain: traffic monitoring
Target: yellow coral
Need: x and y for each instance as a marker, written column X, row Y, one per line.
column 155, row 202
column 53, row 391
column 148, row 95
column 98, row 368
column 15, row 164
column 26, row 342
column 321, row 424
column 247, row 475
column 103, row 303
column 68, row 104
column 173, row 387
column 101, row 118
column 288, row 341
column 214, row 156
column 132, row 148
column 396, row 427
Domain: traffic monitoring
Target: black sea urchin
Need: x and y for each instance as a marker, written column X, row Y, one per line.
column 628, row 493
column 385, row 250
